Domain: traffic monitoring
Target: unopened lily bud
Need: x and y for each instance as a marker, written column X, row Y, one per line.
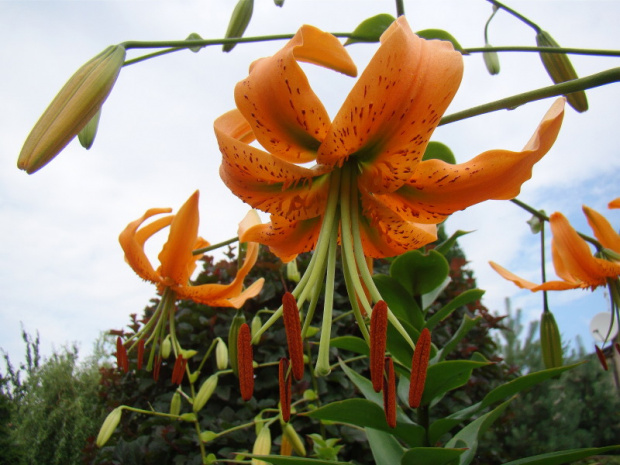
column 233, row 333
column 560, row 69
column 72, row 109
column 238, row 21
column 189, row 417
column 295, row 440
column 292, row 272
column 491, row 61
column 166, row 347
column 205, row 392
column 88, row 133
column 256, row 325
column 262, row 445
column 550, row 341
column 175, row 404
column 221, row 355
column 109, row 425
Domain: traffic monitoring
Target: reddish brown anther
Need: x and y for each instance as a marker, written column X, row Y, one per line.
column 292, row 326
column 389, row 393
column 245, row 362
column 156, row 368
column 617, row 347
column 140, row 355
column 178, row 372
column 601, row 357
column 284, row 380
column 419, row 364
column 121, row 355
column 378, row 338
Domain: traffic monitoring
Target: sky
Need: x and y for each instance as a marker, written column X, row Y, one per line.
column 61, row 269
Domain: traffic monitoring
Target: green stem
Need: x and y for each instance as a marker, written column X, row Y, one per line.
column 514, row 13
column 543, row 271
column 400, row 8
column 564, row 50
column 510, row 103
column 214, row 246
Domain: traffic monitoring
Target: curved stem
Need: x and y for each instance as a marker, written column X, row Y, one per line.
column 215, row 246
column 563, row 50
column 517, row 15
column 510, row 103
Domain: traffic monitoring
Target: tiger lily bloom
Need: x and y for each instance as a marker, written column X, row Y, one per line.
column 572, row 259
column 177, row 263
column 368, row 188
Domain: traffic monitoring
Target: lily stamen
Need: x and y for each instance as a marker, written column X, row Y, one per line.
column 245, row 362
column 419, row 365
column 378, row 339
column 292, row 326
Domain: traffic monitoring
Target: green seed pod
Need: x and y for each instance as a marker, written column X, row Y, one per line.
column 233, row 333
column 221, row 354
column 166, row 347
column 550, row 341
column 205, row 392
column 109, row 425
column 72, row 109
column 175, row 404
column 295, row 440
column 491, row 61
column 262, row 445
column 256, row 325
column 560, row 69
column 238, row 22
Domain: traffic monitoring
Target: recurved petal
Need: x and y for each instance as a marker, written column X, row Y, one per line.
column 132, row 242
column 286, row 239
column 391, row 112
column 603, row 230
column 386, row 234
column 266, row 182
column 438, row 189
column 177, row 261
column 615, row 203
column 276, row 99
column 576, row 256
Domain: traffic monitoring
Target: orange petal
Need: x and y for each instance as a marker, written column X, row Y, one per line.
column 266, row 182
column 603, row 230
column 132, row 242
column 177, row 261
column 576, row 255
column 386, row 234
column 525, row 284
column 438, row 189
column 390, row 114
column 286, row 238
column 286, row 116
column 615, row 203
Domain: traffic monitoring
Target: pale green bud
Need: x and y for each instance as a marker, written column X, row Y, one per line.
column 109, row 425
column 72, row 109
column 221, row 354
column 292, row 272
column 238, row 22
column 256, row 325
column 205, row 392
column 550, row 341
column 491, row 61
column 207, row 436
column 296, row 441
column 262, row 445
column 175, row 404
column 88, row 133
column 166, row 347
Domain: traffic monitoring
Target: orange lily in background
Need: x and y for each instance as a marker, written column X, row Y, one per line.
column 367, row 189
column 177, row 263
column 572, row 259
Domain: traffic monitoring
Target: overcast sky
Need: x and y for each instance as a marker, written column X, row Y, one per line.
column 61, row 268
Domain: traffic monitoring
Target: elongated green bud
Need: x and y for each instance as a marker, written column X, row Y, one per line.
column 233, row 333
column 109, row 425
column 205, row 392
column 550, row 341
column 295, row 440
column 88, row 133
column 175, row 404
column 166, row 347
column 292, row 271
column 560, row 69
column 491, row 61
column 221, row 354
column 72, row 109
column 238, row 22
column 262, row 445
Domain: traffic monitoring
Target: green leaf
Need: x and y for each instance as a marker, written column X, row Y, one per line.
column 437, row 150
column 564, row 456
column 446, row 376
column 429, row 298
column 287, row 460
column 464, row 298
column 466, row 326
column 402, row 304
column 430, row 456
column 350, row 343
column 420, row 273
column 470, row 434
column 441, row 35
column 446, row 245
column 398, row 346
column 370, row 29
column 386, row 450
column 365, row 414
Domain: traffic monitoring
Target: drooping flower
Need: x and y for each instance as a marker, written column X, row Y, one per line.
column 573, row 260
column 177, row 263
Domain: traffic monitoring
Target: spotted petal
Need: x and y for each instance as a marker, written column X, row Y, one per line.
column 132, row 241
column 276, row 99
column 438, row 189
column 603, row 230
column 391, row 112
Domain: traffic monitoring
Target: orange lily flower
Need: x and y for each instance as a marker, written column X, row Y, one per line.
column 377, row 138
column 572, row 259
column 172, row 276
